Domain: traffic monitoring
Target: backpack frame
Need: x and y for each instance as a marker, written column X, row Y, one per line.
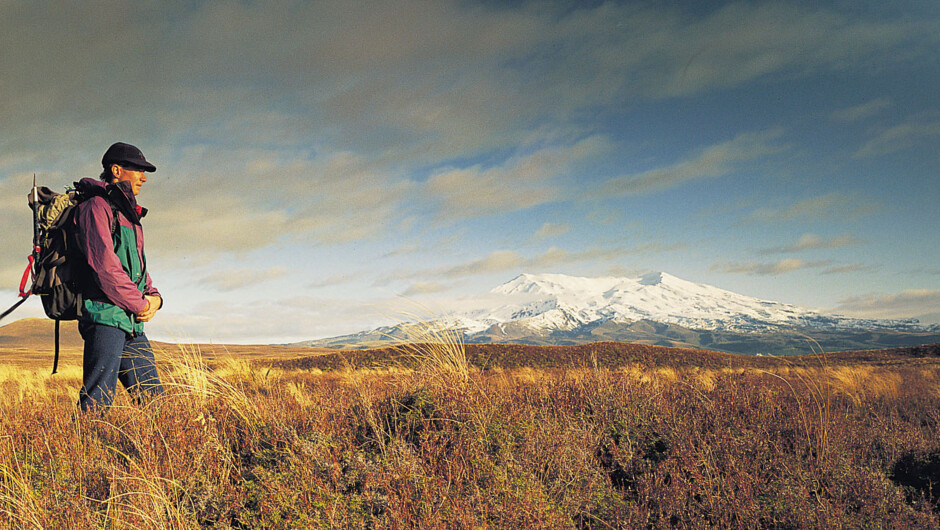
column 59, row 269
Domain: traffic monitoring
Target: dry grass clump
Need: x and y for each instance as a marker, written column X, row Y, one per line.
column 237, row 445
column 439, row 351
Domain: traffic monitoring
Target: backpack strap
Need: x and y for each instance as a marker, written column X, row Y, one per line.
column 13, row 308
column 115, row 223
column 24, row 294
column 55, row 361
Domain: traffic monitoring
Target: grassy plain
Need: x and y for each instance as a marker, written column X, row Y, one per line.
column 610, row 436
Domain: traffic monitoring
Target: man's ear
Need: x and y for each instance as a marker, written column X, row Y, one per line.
column 116, row 170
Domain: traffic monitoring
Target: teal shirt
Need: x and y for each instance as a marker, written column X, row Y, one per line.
column 108, row 314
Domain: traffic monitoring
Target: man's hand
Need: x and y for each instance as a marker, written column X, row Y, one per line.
column 153, row 304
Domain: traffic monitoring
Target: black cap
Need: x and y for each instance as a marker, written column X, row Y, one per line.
column 126, row 155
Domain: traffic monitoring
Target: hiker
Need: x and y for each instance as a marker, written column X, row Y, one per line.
column 118, row 295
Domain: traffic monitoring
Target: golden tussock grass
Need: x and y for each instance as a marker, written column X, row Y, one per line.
column 439, row 350
column 439, row 444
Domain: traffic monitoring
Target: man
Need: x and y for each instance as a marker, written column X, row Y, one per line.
column 118, row 294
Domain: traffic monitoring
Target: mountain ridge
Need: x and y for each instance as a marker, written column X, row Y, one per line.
column 659, row 297
column 654, row 308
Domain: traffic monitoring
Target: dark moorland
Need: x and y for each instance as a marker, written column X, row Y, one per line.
column 604, row 435
column 609, row 355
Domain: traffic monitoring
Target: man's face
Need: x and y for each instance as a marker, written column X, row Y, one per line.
column 136, row 178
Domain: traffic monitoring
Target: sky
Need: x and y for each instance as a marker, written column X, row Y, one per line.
column 326, row 167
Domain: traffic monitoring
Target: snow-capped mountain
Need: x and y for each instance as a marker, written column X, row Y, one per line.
column 557, row 301
column 655, row 308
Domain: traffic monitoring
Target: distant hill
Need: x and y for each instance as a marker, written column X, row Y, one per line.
column 655, row 309
column 32, row 340
column 610, row 355
column 39, row 333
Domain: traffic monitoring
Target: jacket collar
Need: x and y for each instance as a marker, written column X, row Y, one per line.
column 119, row 194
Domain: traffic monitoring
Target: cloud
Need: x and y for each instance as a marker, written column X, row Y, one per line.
column 423, row 288
column 557, row 256
column 504, row 260
column 832, row 205
column 784, row 266
column 925, row 270
column 205, row 201
column 16, row 227
column 769, row 268
column 255, row 198
column 520, row 182
column 812, row 242
column 622, row 51
column 205, row 229
column 333, row 280
column 263, row 320
column 403, row 250
column 294, row 125
column 410, row 79
column 408, row 84
column 900, row 137
column 498, row 261
column 234, row 279
column 507, row 260
column 917, row 303
column 863, row 111
column 745, row 41
column 477, row 192
column 714, row 161
column 550, row 230
column 845, row 269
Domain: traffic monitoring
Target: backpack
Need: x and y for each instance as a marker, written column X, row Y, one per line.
column 59, row 269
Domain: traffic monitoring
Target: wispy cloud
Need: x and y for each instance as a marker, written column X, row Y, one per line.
column 257, row 321
column 924, row 270
column 863, row 111
column 769, row 268
column 664, row 52
column 558, row 256
column 812, row 242
column 404, row 250
column 360, row 127
column 912, row 132
column 255, row 198
column 447, row 81
column 476, row 192
column 182, row 229
column 16, row 227
column 234, row 279
column 714, row 161
column 831, row 205
column 745, row 41
column 498, row 261
column 906, row 304
column 848, row 269
column 521, row 182
column 553, row 257
column 424, row 288
column 334, row 280
column 446, row 78
column 549, row 230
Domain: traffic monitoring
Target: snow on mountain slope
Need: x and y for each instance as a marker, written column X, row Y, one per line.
column 561, row 302
column 656, row 308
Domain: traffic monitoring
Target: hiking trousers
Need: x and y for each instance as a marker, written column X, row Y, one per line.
column 110, row 355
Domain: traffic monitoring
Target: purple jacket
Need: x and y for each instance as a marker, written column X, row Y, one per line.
column 93, row 218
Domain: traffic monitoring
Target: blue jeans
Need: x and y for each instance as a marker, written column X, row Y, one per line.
column 112, row 354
